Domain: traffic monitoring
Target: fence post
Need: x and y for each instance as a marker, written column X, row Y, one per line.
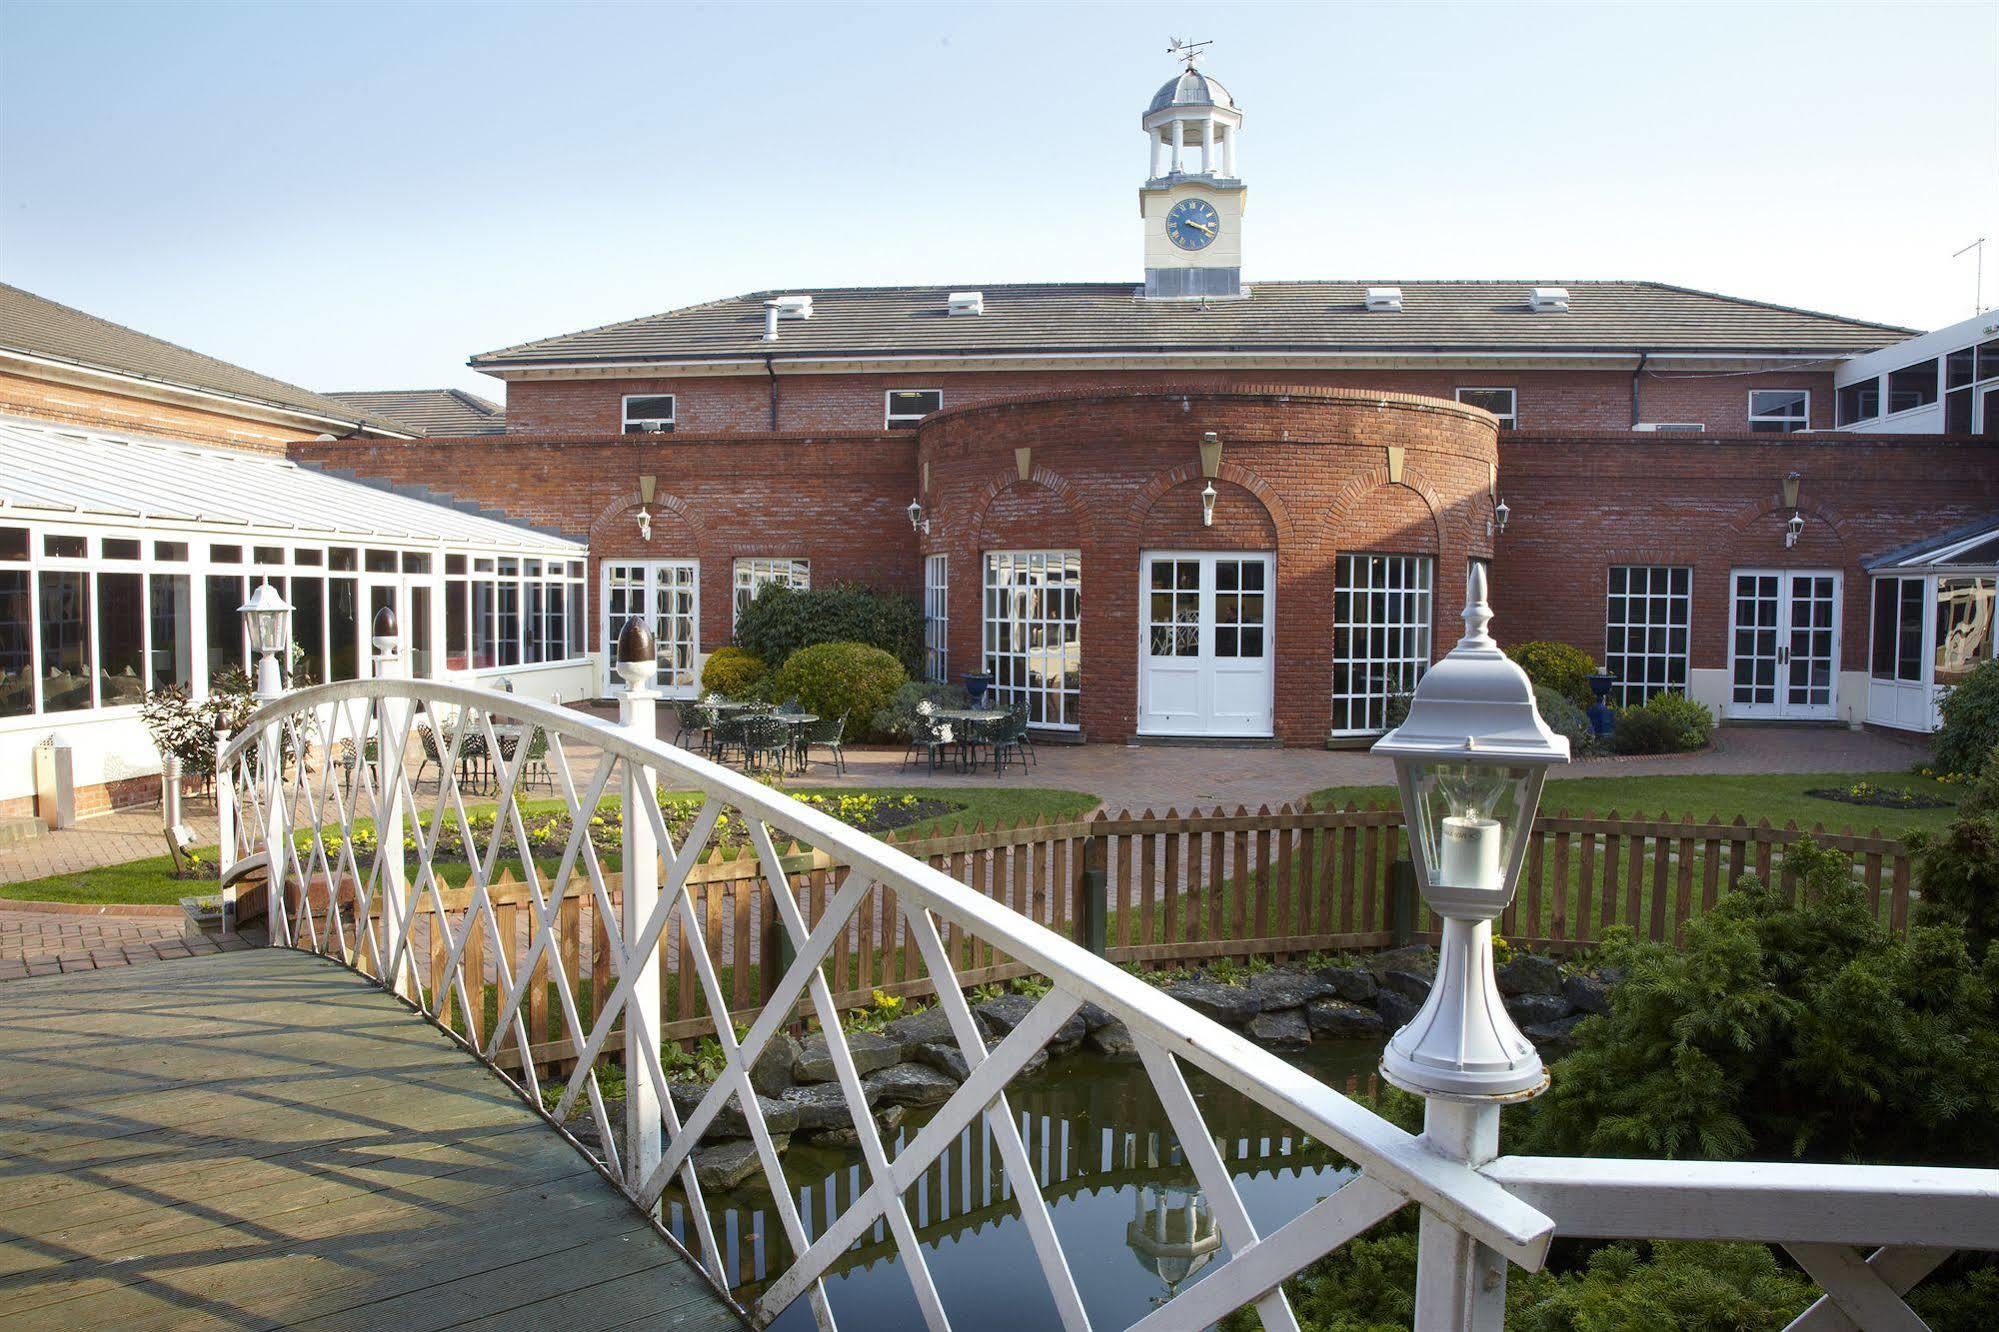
column 389, row 813
column 1460, row 1283
column 225, row 833
column 1092, row 897
column 1402, row 902
column 271, row 762
column 637, row 661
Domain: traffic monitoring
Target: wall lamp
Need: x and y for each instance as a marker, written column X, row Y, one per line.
column 1208, row 505
column 1500, row 513
column 648, row 486
column 1794, row 528
column 918, row 519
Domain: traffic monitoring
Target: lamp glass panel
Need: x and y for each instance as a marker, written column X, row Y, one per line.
column 1460, row 790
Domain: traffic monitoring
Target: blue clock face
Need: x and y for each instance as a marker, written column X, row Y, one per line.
column 1193, row 224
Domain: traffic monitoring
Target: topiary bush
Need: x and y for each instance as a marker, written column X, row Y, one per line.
column 1970, row 728
column 851, row 680
column 1666, row 723
column 1562, row 668
column 781, row 620
column 732, row 671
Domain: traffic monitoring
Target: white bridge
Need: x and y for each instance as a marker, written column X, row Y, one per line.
column 316, row 766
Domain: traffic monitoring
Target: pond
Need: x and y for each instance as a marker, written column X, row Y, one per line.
column 1133, row 1224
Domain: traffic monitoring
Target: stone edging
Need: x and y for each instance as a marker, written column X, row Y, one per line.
column 149, row 910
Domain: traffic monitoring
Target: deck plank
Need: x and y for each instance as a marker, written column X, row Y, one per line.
column 264, row 1140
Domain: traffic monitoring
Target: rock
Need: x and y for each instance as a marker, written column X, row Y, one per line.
column 1396, row 1009
column 908, row 1084
column 1591, row 994
column 1534, row 1009
column 1339, row 1020
column 1419, row 958
column 780, row 1116
column 1093, row 1016
column 1277, row 990
column 1226, row 1004
column 728, row 1164
column 1531, row 973
column 929, row 1027
column 1356, row 985
column 888, row 1121
column 815, row 1063
column 1010, row 1010
column 771, row 1074
column 820, row 1105
column 1057, row 1048
column 1280, row 1029
column 1114, row 1039
column 1408, row 984
column 948, row 1059
column 1557, row 1038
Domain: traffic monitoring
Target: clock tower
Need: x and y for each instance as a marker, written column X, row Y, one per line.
column 1193, row 201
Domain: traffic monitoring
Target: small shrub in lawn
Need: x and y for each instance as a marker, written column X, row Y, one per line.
column 1666, row 723
column 1565, row 719
column 851, row 680
column 1970, row 710
column 732, row 672
column 1562, row 668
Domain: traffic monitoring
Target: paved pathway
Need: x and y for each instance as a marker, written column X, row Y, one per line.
column 266, row 1140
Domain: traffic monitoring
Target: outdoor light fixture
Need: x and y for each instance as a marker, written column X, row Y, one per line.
column 269, row 617
column 648, row 485
column 1500, row 513
column 1794, row 529
column 1208, row 505
column 1469, row 761
column 917, row 518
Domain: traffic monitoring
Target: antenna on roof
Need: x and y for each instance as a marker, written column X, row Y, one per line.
column 1191, row 52
column 1978, row 274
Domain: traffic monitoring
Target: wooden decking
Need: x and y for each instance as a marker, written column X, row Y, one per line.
column 263, row 1139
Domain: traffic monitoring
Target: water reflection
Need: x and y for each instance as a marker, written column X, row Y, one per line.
column 1133, row 1225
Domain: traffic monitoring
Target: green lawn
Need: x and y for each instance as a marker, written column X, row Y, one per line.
column 151, row 879
column 1780, row 799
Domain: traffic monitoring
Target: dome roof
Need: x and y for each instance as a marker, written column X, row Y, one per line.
column 1191, row 88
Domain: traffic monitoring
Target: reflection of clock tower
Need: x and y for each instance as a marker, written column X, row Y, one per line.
column 1193, row 204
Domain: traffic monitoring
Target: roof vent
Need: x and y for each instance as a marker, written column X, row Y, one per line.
column 793, row 307
column 1384, row 300
column 1548, row 300
column 1671, row 428
column 966, row 303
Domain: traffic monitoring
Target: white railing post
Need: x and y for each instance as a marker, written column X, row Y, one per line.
column 1460, row 1283
column 225, row 831
column 637, row 661
column 389, row 806
column 271, row 775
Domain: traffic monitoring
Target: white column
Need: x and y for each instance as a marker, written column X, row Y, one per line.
column 1179, row 144
column 1158, row 145
column 643, row 1133
column 389, row 665
column 1210, row 159
column 1460, row 1283
column 1228, row 152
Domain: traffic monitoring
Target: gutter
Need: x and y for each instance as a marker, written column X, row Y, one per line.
column 770, row 369
column 1637, row 372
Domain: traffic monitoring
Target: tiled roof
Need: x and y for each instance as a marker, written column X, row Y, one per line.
column 1298, row 317
column 449, row 412
column 37, row 326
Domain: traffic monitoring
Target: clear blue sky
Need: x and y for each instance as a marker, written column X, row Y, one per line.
column 362, row 195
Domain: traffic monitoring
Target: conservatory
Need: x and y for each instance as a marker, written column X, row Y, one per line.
column 1932, row 615
column 124, row 560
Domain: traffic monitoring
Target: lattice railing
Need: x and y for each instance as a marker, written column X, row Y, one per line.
column 327, row 778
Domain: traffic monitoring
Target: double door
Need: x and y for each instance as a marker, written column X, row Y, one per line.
column 667, row 595
column 1205, row 647
column 1784, row 644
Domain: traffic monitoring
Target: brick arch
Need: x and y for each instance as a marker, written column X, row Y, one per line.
column 1054, row 482
column 1165, row 482
column 1752, row 512
column 1346, row 506
column 629, row 502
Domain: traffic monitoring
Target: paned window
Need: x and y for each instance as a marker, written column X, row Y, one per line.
column 1381, row 636
column 650, row 415
column 908, row 406
column 1501, row 402
column 1034, row 632
column 755, row 573
column 937, row 618
column 1646, row 618
column 1779, row 411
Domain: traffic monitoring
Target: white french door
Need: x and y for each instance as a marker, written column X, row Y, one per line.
column 668, row 594
column 1205, row 648
column 1784, row 643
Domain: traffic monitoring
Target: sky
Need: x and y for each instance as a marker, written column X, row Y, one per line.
column 362, row 195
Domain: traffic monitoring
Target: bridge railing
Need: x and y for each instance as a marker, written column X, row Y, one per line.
column 324, row 782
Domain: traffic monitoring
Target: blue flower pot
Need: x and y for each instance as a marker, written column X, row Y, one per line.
column 976, row 687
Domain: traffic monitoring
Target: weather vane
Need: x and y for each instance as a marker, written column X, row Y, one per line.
column 1191, row 52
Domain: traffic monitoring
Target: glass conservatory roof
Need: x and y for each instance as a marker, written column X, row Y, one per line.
column 1973, row 546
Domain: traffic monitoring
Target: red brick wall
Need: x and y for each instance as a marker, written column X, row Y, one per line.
column 69, row 404
column 1549, row 400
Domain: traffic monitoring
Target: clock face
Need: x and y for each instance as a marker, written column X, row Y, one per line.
column 1193, row 224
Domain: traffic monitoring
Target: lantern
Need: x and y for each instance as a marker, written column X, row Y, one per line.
column 269, row 619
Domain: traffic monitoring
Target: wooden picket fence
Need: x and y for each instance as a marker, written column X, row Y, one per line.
column 1170, row 890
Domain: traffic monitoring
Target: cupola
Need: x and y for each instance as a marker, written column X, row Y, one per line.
column 1192, row 200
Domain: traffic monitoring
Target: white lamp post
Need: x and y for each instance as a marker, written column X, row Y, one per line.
column 269, row 618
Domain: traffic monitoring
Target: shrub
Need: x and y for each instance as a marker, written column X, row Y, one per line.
column 1562, row 668
column 1957, row 870
column 1665, row 723
column 732, row 672
column 1564, row 719
column 1970, row 728
column 851, row 680
column 899, row 717
column 781, row 620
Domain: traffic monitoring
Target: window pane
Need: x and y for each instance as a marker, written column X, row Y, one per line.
column 1859, row 402
column 1882, row 666
column 65, row 547
column 1913, row 386
column 1909, row 634
column 1776, row 411
column 1498, row 401
column 343, row 629
column 651, row 415
column 1381, row 635
column 120, row 548
column 1033, row 632
column 13, row 543
column 65, row 632
column 308, row 631
column 908, row 406
column 457, row 627
column 1964, row 627
column 421, row 663
column 1960, row 368
column 172, row 613
column 576, row 610
column 1645, row 636
column 121, row 643
column 485, row 624
column 537, row 608
column 17, row 675
column 225, row 625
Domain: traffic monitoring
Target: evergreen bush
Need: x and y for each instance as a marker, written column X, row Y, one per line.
column 851, row 680
column 1562, row 668
column 899, row 717
column 781, row 620
column 732, row 672
column 1565, row 719
column 1666, row 723
column 1970, row 710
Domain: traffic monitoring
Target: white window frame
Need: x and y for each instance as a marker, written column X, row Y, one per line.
column 1662, row 670
column 649, row 425
column 1786, row 424
column 752, row 573
column 894, row 420
column 1362, row 709
column 937, row 618
column 1019, row 596
column 1508, row 420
